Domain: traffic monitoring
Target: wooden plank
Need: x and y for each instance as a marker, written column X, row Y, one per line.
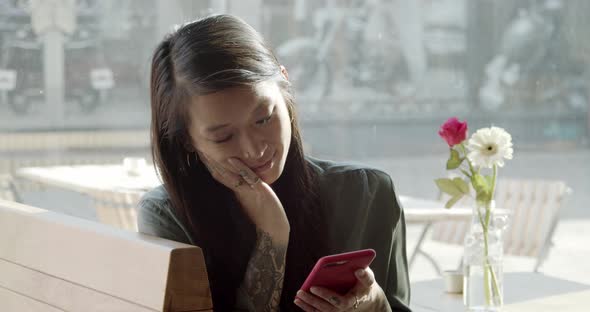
column 187, row 285
column 11, row 301
column 59, row 294
column 147, row 271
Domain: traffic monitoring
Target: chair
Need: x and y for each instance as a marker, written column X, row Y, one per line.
column 117, row 208
column 8, row 188
column 534, row 205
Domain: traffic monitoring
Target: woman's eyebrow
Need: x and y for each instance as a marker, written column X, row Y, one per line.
column 216, row 127
column 262, row 103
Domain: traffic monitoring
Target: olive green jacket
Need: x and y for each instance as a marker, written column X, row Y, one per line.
column 362, row 210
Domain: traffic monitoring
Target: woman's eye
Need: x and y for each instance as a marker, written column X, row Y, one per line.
column 223, row 140
column 264, row 121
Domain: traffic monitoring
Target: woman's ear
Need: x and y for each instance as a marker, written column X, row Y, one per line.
column 284, row 73
column 188, row 145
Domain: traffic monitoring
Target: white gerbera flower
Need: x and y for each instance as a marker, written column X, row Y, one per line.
column 489, row 146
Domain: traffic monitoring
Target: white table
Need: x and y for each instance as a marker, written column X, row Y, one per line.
column 427, row 212
column 419, row 210
column 87, row 179
column 114, row 191
column 523, row 292
column 92, row 179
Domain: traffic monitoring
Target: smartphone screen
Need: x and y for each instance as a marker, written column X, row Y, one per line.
column 336, row 272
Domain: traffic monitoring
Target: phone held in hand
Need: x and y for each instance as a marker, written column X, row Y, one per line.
column 336, row 272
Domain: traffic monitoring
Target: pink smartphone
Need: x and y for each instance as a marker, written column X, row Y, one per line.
column 336, row 272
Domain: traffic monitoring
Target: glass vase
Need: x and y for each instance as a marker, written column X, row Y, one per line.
column 483, row 260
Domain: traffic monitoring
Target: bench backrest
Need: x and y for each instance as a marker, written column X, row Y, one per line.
column 54, row 262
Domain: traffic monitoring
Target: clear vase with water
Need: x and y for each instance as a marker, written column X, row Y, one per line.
column 483, row 260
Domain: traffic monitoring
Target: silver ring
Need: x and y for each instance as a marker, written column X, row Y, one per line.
column 334, row 300
column 356, row 302
column 240, row 182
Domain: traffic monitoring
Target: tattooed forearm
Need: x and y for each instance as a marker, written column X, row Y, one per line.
column 263, row 280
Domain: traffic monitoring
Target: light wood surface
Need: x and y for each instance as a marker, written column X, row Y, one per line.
column 523, row 292
column 571, row 302
column 52, row 261
column 12, row 301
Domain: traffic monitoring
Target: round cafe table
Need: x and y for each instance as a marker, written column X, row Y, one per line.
column 523, row 292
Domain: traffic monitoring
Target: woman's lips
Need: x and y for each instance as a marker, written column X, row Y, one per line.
column 267, row 165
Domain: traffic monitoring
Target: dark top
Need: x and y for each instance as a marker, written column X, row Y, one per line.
column 361, row 206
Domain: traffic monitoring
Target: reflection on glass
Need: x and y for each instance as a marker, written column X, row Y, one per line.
column 373, row 79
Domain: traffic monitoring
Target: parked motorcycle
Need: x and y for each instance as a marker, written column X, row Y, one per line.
column 88, row 79
column 532, row 66
column 358, row 44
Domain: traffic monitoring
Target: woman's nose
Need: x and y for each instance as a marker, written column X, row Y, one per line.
column 253, row 148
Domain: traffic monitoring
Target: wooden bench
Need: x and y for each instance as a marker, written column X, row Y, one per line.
column 53, row 262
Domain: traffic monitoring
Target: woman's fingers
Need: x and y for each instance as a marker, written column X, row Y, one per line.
column 323, row 299
column 222, row 175
column 318, row 303
column 245, row 172
column 228, row 177
column 304, row 306
column 360, row 292
column 334, row 298
column 366, row 277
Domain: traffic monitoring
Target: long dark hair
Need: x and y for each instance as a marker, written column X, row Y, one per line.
column 206, row 56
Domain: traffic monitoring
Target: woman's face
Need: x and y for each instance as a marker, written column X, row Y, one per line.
column 251, row 124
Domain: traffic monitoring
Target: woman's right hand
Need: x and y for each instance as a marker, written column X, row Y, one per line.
column 256, row 197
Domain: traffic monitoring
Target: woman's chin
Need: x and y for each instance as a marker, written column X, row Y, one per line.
column 272, row 172
column 270, row 177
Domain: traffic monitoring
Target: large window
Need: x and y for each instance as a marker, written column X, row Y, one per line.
column 373, row 80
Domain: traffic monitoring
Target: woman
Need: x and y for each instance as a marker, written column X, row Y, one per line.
column 237, row 184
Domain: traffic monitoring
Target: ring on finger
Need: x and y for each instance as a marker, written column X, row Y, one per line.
column 334, row 300
column 247, row 178
column 356, row 302
column 239, row 183
column 252, row 181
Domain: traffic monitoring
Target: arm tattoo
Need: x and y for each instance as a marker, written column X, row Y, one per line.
column 263, row 280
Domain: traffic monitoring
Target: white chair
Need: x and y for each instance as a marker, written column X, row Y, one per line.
column 8, row 189
column 117, row 208
column 534, row 205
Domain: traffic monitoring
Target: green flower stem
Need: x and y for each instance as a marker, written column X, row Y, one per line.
column 488, row 269
column 465, row 155
column 495, row 284
column 495, row 174
column 485, row 221
column 486, row 264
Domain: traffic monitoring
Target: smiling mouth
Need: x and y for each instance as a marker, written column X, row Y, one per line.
column 265, row 165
